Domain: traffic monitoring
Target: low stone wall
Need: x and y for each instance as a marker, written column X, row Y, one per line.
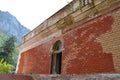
column 78, row 77
column 60, row 77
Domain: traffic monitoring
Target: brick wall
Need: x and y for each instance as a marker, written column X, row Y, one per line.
column 90, row 44
column 83, row 54
column 14, row 77
column 36, row 60
column 110, row 41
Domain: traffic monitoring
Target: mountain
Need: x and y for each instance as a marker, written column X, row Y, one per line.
column 10, row 26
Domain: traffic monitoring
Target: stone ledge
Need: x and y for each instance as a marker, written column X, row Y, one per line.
column 77, row 77
column 60, row 77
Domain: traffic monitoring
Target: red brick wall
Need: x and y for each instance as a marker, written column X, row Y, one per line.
column 14, row 77
column 92, row 47
column 36, row 60
column 83, row 54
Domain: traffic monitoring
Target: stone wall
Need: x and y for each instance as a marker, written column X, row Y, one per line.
column 60, row 77
column 78, row 77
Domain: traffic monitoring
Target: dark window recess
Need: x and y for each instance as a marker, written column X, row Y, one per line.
column 56, row 63
column 56, row 58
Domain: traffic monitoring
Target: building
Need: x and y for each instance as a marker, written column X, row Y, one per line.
column 81, row 38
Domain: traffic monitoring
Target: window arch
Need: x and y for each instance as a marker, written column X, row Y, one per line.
column 57, row 47
column 56, row 57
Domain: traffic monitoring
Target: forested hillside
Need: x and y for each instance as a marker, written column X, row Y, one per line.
column 3, row 37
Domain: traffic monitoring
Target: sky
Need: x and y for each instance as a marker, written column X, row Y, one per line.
column 31, row 13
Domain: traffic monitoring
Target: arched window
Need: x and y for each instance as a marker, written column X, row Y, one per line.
column 56, row 58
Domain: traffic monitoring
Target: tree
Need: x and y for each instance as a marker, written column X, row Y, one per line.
column 7, row 50
column 5, row 67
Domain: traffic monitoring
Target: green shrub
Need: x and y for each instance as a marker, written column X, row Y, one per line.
column 5, row 67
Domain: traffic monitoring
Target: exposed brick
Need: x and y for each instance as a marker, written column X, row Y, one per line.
column 82, row 54
column 14, row 77
column 111, row 40
column 90, row 43
column 36, row 60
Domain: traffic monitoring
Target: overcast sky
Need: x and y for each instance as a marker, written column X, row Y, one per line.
column 31, row 13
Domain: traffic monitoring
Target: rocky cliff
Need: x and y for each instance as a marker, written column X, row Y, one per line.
column 9, row 25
